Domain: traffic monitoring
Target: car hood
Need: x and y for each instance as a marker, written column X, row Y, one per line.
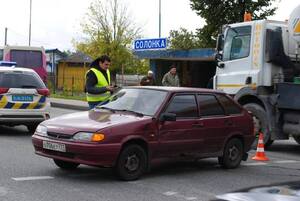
column 90, row 121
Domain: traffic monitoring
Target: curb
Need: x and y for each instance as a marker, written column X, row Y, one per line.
column 69, row 106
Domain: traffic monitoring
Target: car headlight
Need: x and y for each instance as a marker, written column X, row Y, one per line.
column 89, row 137
column 41, row 130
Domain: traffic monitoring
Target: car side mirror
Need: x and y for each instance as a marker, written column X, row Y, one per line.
column 167, row 117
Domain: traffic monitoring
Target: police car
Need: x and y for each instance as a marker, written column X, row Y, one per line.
column 23, row 98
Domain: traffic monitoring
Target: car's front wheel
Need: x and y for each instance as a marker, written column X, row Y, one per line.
column 65, row 165
column 232, row 155
column 132, row 162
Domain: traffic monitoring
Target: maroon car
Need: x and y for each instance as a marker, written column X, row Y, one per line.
column 140, row 124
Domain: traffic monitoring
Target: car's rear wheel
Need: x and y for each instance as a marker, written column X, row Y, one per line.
column 232, row 155
column 32, row 127
column 65, row 165
column 132, row 162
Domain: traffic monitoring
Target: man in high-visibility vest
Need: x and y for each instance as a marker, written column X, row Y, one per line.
column 97, row 85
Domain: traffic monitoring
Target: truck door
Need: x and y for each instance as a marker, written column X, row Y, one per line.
column 235, row 67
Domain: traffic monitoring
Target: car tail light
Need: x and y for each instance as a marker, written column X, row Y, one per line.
column 43, row 92
column 3, row 90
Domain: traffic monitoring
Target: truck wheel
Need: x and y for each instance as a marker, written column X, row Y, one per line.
column 232, row 155
column 297, row 138
column 65, row 165
column 260, row 123
column 131, row 163
column 31, row 128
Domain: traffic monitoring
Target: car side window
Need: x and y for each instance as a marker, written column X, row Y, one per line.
column 229, row 106
column 209, row 105
column 184, row 106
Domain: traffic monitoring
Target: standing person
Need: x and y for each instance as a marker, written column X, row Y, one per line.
column 171, row 79
column 148, row 80
column 97, row 84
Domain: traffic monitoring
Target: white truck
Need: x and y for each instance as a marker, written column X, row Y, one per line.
column 259, row 64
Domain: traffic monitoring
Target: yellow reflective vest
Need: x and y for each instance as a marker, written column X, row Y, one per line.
column 102, row 82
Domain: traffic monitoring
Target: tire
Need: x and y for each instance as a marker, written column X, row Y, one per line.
column 261, row 124
column 65, row 165
column 232, row 155
column 32, row 127
column 132, row 162
column 297, row 138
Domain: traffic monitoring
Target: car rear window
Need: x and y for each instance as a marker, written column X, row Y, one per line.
column 229, row 105
column 209, row 105
column 20, row 80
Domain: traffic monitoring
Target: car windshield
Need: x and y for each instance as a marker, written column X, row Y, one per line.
column 143, row 101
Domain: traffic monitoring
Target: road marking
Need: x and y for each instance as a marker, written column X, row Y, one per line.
column 254, row 164
column 191, row 198
column 170, row 193
column 31, row 178
column 286, row 161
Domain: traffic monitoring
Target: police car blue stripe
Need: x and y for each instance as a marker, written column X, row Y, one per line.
column 9, row 105
column 24, row 105
column 42, row 99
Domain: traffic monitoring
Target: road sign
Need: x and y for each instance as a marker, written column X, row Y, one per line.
column 150, row 44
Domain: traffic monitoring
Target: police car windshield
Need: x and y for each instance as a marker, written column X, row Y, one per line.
column 20, row 80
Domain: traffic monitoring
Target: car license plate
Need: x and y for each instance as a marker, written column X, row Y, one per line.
column 22, row 98
column 54, row 146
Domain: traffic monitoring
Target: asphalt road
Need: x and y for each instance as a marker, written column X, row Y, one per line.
column 25, row 176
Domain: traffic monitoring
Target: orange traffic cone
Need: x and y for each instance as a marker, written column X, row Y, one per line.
column 260, row 151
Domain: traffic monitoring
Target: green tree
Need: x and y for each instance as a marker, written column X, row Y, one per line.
column 183, row 39
column 221, row 12
column 109, row 30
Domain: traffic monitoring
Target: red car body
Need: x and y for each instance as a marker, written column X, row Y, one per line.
column 199, row 136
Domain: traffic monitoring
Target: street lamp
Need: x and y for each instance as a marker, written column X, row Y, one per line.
column 159, row 19
column 30, row 22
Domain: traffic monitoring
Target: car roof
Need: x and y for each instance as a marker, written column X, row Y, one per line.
column 12, row 69
column 178, row 89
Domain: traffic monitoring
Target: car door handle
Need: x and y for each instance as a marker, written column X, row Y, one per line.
column 198, row 125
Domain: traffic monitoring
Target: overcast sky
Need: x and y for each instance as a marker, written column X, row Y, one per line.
column 56, row 22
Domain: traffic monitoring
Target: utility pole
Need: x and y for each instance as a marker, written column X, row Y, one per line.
column 159, row 19
column 5, row 39
column 30, row 22
column 243, row 9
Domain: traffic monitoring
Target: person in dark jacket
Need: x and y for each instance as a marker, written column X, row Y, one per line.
column 148, row 80
column 98, row 85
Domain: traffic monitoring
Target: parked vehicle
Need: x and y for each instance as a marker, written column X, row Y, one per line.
column 287, row 191
column 26, row 57
column 23, row 98
column 259, row 65
column 140, row 124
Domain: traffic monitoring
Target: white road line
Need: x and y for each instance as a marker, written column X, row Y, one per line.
column 287, row 161
column 191, row 198
column 31, row 178
column 254, row 164
column 170, row 193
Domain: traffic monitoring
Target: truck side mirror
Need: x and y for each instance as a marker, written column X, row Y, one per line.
column 219, row 45
column 218, row 59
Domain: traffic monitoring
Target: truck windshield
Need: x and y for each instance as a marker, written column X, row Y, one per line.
column 237, row 43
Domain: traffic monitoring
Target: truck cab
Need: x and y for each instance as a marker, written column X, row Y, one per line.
column 258, row 65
